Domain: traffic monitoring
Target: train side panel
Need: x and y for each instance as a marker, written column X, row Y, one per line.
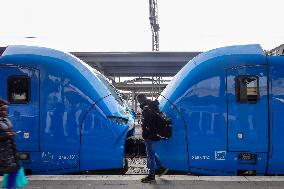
column 64, row 105
column 247, row 97
column 20, row 86
column 276, row 157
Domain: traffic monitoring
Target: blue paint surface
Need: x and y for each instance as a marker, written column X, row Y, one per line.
column 276, row 89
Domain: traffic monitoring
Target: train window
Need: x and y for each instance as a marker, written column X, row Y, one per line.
column 18, row 89
column 114, row 92
column 247, row 89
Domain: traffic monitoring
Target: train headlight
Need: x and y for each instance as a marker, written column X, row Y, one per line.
column 24, row 156
column 118, row 120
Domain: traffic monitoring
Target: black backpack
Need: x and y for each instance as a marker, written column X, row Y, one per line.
column 164, row 125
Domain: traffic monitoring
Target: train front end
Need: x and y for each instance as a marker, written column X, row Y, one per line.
column 105, row 126
column 67, row 115
column 218, row 104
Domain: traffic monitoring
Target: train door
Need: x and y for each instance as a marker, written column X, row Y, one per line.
column 20, row 87
column 276, row 156
column 247, row 116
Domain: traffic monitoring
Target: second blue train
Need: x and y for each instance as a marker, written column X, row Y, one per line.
column 227, row 108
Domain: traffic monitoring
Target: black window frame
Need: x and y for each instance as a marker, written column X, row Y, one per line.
column 14, row 77
column 238, row 90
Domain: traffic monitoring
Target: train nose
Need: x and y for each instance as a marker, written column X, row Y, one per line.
column 103, row 136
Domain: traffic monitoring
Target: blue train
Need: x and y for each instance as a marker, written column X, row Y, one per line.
column 68, row 117
column 227, row 108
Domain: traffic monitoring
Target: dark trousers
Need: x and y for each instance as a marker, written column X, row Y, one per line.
column 12, row 180
column 153, row 159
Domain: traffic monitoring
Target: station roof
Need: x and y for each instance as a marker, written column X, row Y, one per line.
column 136, row 64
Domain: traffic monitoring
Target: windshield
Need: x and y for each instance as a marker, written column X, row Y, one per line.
column 114, row 92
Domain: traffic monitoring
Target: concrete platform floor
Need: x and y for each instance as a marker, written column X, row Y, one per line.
column 167, row 182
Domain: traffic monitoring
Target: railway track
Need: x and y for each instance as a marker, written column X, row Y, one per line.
column 137, row 166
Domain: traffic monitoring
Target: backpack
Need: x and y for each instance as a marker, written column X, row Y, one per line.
column 164, row 125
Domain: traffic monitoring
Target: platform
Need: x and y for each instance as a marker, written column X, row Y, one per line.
column 167, row 182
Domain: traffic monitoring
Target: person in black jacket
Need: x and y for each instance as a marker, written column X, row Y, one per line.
column 9, row 163
column 149, row 134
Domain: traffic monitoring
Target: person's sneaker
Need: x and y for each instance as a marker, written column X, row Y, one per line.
column 162, row 171
column 148, row 179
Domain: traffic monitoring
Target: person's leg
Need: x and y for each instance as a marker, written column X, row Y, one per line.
column 161, row 169
column 12, row 180
column 147, row 149
column 150, row 162
column 150, row 149
column 158, row 161
column 157, row 158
